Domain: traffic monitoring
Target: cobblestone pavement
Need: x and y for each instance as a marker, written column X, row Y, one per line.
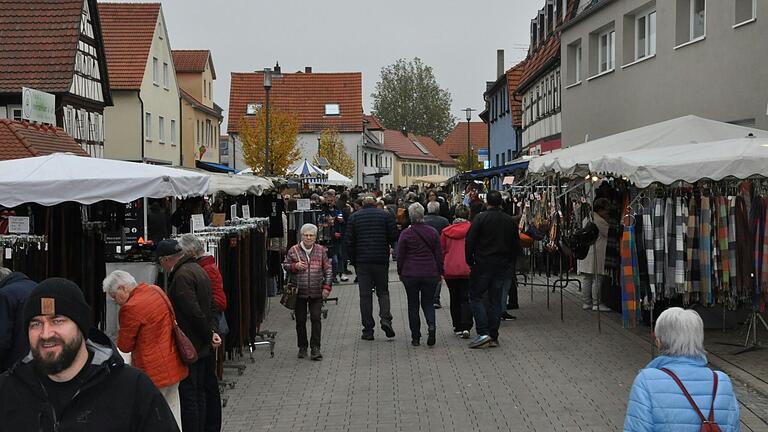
column 547, row 375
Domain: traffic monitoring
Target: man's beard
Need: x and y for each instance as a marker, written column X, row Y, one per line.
column 52, row 363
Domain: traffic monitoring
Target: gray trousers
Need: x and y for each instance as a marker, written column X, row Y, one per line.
column 590, row 291
column 373, row 278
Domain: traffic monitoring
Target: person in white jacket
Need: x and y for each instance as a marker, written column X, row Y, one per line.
column 592, row 267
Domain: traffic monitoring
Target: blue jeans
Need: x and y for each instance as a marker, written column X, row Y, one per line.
column 485, row 286
column 506, row 285
column 336, row 265
column 420, row 292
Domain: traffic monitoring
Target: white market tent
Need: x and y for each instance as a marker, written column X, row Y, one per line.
column 235, row 184
column 680, row 131
column 60, row 177
column 434, row 178
column 337, row 179
column 737, row 158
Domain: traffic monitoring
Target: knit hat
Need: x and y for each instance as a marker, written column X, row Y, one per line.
column 58, row 296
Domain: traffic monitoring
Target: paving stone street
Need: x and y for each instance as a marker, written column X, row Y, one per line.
column 547, row 375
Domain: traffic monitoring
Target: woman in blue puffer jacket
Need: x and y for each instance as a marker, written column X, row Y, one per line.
column 657, row 403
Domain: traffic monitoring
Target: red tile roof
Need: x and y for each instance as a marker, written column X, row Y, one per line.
column 540, row 60
column 513, row 80
column 437, row 151
column 403, row 146
column 22, row 139
column 128, row 32
column 373, row 122
column 38, row 41
column 455, row 143
column 304, row 94
column 192, row 61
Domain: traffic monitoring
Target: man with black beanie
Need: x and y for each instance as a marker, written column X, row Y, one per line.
column 68, row 382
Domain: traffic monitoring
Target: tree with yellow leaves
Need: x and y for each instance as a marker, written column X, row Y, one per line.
column 461, row 162
column 332, row 148
column 283, row 131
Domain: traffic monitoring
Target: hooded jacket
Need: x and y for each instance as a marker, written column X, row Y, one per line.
column 208, row 263
column 656, row 403
column 112, row 396
column 14, row 342
column 452, row 241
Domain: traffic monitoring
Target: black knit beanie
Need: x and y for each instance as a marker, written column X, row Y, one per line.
column 59, row 296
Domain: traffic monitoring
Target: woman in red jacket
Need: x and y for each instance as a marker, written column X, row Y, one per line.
column 456, row 271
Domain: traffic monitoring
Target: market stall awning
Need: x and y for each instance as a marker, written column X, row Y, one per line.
column 232, row 184
column 305, row 169
column 337, row 179
column 434, row 179
column 736, row 158
column 516, row 164
column 214, row 167
column 680, row 131
column 61, row 177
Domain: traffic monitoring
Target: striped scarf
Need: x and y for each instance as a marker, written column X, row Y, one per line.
column 694, row 272
column 732, row 247
column 669, row 230
column 722, row 242
column 643, row 287
column 659, row 244
column 629, row 279
column 716, row 262
column 681, row 216
column 705, row 250
column 745, row 238
column 648, row 241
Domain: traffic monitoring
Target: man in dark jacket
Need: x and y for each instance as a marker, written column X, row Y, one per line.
column 14, row 343
column 70, row 383
column 189, row 289
column 492, row 246
column 437, row 222
column 371, row 232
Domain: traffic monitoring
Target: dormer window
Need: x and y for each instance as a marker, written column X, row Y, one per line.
column 534, row 34
column 332, row 109
column 252, row 108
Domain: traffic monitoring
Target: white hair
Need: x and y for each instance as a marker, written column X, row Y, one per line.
column 117, row 279
column 309, row 227
column 4, row 273
column 433, row 207
column 191, row 245
column 680, row 333
column 416, row 212
column 369, row 199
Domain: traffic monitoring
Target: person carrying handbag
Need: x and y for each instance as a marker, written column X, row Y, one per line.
column 311, row 272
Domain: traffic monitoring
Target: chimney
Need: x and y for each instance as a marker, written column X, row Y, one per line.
column 276, row 70
column 404, row 131
column 308, row 69
column 499, row 63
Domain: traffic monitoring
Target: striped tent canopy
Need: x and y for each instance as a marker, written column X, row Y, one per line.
column 307, row 172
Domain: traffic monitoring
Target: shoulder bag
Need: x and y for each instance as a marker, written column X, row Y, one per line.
column 187, row 351
column 707, row 423
column 290, row 291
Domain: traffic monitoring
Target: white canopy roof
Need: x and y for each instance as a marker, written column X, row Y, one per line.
column 739, row 158
column 337, row 178
column 57, row 178
column 236, row 184
column 434, row 178
column 680, row 131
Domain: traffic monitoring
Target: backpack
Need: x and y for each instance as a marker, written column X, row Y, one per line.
column 707, row 423
column 402, row 216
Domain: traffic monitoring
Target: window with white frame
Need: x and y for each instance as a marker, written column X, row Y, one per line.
column 744, row 11
column 173, row 132
column 698, row 18
column 332, row 109
column 155, row 73
column 161, row 129
column 556, row 90
column 645, row 34
column 690, row 20
column 166, row 76
column 606, row 51
column 148, row 126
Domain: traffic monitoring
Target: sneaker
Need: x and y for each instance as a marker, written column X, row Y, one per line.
column 438, row 306
column 302, row 353
column 388, row 330
column 416, row 341
column 368, row 337
column 465, row 334
column 344, row 278
column 602, row 307
column 586, row 306
column 493, row 343
column 506, row 316
column 316, row 355
column 480, row 341
column 431, row 338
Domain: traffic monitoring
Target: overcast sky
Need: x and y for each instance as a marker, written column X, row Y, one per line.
column 458, row 39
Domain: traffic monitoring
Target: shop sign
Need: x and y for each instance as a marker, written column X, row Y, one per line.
column 233, row 211
column 303, row 204
column 37, row 106
column 18, row 224
column 246, row 211
column 198, row 222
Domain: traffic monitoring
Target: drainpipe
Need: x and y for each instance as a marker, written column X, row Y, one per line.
column 180, row 144
column 143, row 117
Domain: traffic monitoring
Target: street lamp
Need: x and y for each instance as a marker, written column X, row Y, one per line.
column 267, row 87
column 468, row 112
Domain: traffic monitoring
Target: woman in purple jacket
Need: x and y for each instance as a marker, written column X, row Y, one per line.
column 420, row 266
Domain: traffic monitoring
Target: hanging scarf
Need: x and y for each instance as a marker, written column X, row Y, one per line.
column 648, row 241
column 659, row 245
column 629, row 278
column 716, row 262
column 694, row 271
column 745, row 263
column 722, row 242
column 761, row 251
column 669, row 230
column 705, row 250
column 681, row 216
column 732, row 248
column 643, row 287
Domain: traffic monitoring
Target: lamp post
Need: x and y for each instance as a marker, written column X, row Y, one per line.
column 468, row 112
column 267, row 87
